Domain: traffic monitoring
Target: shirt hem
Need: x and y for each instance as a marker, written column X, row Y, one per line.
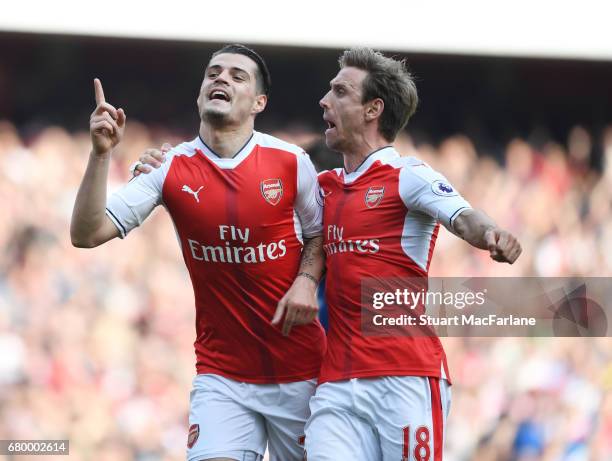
column 382, row 374
column 259, row 379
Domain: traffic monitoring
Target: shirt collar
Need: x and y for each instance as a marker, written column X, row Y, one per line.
column 230, row 162
column 383, row 154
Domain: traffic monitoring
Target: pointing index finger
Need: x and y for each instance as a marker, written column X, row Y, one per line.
column 99, row 91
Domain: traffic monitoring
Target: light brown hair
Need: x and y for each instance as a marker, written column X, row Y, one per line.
column 389, row 80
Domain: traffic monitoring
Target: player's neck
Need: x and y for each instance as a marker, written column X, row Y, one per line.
column 226, row 142
column 356, row 154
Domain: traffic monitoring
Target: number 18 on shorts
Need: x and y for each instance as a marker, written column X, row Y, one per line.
column 398, row 418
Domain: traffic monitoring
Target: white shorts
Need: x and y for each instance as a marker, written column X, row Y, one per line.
column 231, row 419
column 397, row 418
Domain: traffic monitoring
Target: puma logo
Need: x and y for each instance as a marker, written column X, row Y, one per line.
column 188, row 189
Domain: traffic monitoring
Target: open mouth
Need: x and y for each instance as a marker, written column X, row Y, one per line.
column 330, row 125
column 219, row 95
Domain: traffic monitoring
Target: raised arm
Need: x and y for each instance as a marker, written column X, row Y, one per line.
column 480, row 231
column 90, row 226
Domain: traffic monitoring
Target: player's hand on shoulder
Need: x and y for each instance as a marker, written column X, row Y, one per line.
column 106, row 124
column 151, row 158
column 503, row 246
column 299, row 305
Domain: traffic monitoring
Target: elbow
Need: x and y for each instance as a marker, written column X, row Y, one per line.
column 464, row 225
column 460, row 227
column 83, row 244
column 80, row 241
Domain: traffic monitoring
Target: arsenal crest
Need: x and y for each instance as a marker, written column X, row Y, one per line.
column 272, row 190
column 374, row 196
column 194, row 433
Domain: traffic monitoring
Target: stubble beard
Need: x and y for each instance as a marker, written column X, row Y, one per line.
column 214, row 117
column 335, row 144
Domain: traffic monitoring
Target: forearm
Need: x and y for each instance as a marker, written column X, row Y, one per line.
column 313, row 259
column 300, row 302
column 471, row 226
column 88, row 216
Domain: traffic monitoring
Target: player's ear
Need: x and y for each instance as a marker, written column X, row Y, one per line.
column 374, row 109
column 260, row 103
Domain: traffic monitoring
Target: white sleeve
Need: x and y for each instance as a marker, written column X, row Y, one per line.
column 307, row 206
column 428, row 191
column 133, row 203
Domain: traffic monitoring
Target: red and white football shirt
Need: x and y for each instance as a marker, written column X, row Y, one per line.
column 240, row 223
column 380, row 222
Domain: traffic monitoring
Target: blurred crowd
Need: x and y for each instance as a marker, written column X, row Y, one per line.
column 96, row 345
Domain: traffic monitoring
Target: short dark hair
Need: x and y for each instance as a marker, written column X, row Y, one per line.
column 389, row 80
column 264, row 80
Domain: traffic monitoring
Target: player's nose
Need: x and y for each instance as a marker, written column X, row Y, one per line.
column 323, row 102
column 222, row 77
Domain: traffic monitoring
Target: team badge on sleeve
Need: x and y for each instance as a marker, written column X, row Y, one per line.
column 443, row 188
column 374, row 196
column 194, row 433
column 272, row 190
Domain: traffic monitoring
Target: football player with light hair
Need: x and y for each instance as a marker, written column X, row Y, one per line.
column 383, row 397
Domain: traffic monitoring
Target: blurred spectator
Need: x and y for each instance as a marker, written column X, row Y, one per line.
column 96, row 345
